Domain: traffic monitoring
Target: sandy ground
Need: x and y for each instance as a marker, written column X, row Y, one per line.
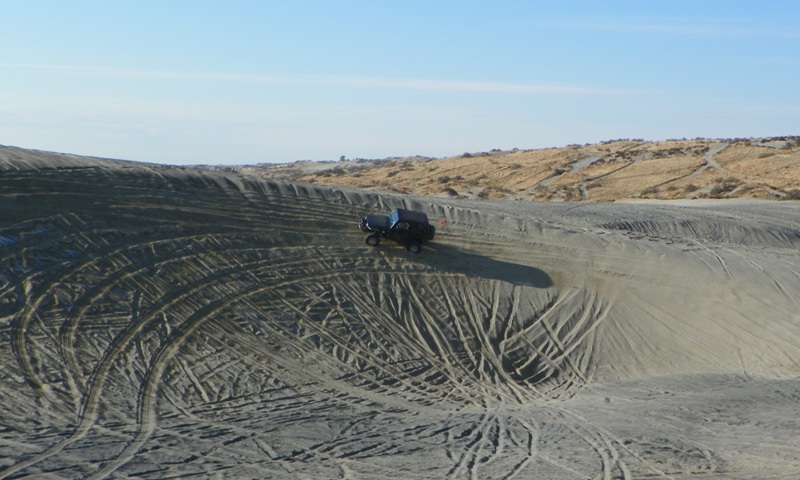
column 159, row 322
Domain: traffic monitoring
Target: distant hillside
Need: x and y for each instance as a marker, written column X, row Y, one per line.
column 767, row 168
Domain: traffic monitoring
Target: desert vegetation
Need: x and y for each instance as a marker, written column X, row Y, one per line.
column 767, row 168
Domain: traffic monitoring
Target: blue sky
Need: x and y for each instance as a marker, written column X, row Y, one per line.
column 216, row 82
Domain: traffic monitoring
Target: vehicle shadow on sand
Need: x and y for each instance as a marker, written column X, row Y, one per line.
column 446, row 258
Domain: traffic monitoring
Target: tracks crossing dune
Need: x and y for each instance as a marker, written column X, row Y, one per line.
column 159, row 322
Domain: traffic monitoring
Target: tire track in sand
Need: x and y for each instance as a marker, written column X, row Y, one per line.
column 96, row 383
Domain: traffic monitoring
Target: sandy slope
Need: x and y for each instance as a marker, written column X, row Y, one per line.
column 159, row 322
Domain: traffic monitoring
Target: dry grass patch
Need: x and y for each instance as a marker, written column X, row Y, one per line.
column 625, row 169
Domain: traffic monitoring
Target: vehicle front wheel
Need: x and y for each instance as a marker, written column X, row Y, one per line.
column 372, row 240
column 414, row 247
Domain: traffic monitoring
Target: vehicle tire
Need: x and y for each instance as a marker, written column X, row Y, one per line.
column 372, row 240
column 414, row 247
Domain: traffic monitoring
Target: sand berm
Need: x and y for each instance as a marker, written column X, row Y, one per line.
column 164, row 322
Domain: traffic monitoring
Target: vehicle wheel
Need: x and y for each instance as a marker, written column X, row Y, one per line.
column 372, row 240
column 414, row 247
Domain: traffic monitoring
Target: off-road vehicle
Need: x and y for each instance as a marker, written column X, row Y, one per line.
column 409, row 228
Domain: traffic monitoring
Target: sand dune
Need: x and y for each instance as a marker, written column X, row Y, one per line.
column 159, row 322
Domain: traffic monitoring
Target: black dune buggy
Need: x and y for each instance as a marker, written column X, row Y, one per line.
column 409, row 228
